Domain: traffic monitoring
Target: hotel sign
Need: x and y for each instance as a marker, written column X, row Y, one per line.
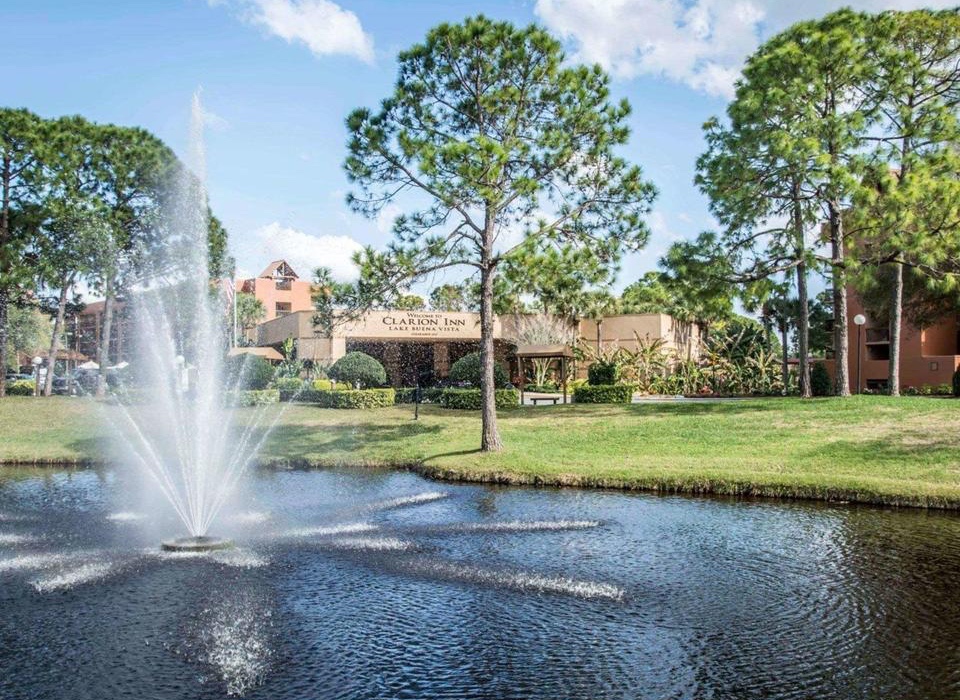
column 438, row 325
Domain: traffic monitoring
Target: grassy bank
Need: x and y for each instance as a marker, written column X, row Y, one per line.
column 868, row 449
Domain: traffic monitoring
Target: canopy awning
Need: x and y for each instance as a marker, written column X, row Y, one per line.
column 267, row 353
column 544, row 351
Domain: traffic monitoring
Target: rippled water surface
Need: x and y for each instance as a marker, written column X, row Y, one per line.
column 362, row 584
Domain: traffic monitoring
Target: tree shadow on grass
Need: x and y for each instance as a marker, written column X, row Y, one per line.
column 368, row 440
column 427, row 459
column 91, row 450
column 908, row 447
column 691, row 408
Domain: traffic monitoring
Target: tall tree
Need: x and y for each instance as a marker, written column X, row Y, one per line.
column 129, row 175
column 21, row 141
column 800, row 117
column 64, row 253
column 410, row 302
column 250, row 311
column 448, row 297
column 490, row 126
column 910, row 213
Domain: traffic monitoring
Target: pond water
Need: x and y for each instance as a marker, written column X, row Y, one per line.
column 371, row 584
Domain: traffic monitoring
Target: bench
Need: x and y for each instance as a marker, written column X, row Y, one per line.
column 537, row 399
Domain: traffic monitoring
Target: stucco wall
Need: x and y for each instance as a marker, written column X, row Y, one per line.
column 927, row 355
column 682, row 339
column 265, row 289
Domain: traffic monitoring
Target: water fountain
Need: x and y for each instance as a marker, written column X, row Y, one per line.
column 179, row 426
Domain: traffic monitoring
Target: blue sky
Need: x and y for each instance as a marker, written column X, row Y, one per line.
column 280, row 76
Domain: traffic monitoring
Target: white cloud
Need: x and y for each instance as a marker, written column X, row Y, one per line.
column 387, row 216
column 322, row 26
column 660, row 229
column 701, row 44
column 306, row 252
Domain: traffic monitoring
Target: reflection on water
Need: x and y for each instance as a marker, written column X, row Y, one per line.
column 382, row 585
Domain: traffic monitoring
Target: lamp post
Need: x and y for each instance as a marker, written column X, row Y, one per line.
column 859, row 320
column 36, row 361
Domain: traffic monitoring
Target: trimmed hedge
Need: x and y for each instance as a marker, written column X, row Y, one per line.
column 350, row 398
column 249, row 372
column 548, row 388
column 407, row 395
column 604, row 393
column 358, row 368
column 289, row 387
column 21, row 387
column 603, row 373
column 470, row 399
column 820, row 384
column 257, row 397
column 468, row 370
column 324, row 385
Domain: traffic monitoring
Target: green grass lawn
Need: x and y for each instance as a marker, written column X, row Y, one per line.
column 869, row 449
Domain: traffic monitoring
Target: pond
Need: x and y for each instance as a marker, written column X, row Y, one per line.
column 373, row 584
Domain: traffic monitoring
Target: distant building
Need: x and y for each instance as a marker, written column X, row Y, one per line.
column 928, row 355
column 280, row 290
column 424, row 344
column 84, row 336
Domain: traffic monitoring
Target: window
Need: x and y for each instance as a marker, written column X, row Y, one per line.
column 282, row 308
column 878, row 335
column 880, row 351
column 283, row 285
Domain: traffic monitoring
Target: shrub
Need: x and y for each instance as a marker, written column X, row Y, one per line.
column 956, row 383
column 289, row 387
column 322, row 385
column 548, row 388
column 820, row 384
column 249, row 372
column 468, row 370
column 358, row 368
column 21, row 387
column 351, row 398
column 470, row 399
column 603, row 373
column 432, row 394
column 942, row 390
column 256, row 397
column 603, row 393
column 406, row 395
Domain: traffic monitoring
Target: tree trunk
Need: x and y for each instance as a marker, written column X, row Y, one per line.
column 599, row 323
column 896, row 314
column 784, row 358
column 490, row 440
column 803, row 331
column 4, row 300
column 4, row 291
column 803, row 322
column 103, row 354
column 65, row 283
column 841, row 330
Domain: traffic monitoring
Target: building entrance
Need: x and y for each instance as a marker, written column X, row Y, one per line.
column 406, row 362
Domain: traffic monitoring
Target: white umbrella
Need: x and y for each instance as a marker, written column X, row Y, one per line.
column 89, row 364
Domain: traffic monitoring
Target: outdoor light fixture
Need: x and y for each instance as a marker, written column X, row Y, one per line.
column 36, row 361
column 859, row 320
